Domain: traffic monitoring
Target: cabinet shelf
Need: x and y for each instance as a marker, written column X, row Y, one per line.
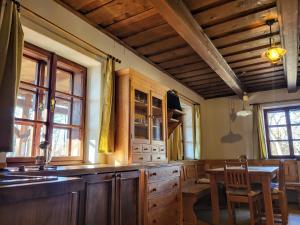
column 140, row 104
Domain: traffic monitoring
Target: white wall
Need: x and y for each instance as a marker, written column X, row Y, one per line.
column 215, row 123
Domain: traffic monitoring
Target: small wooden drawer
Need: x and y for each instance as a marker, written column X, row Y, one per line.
column 155, row 149
column 146, row 148
column 155, row 174
column 163, row 186
column 162, row 149
column 158, row 157
column 163, row 216
column 139, row 158
column 136, row 148
column 162, row 201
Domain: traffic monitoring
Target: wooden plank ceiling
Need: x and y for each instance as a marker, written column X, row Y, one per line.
column 237, row 28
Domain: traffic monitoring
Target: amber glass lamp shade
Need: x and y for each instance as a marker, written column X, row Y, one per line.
column 274, row 54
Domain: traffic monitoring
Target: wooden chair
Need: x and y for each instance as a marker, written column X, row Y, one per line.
column 280, row 206
column 239, row 190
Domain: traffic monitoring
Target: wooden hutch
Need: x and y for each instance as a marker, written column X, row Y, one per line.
column 141, row 118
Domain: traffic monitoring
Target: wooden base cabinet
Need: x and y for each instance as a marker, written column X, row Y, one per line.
column 141, row 119
column 162, row 196
column 112, row 199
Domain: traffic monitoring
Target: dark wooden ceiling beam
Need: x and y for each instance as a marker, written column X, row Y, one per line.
column 289, row 22
column 180, row 18
column 243, row 36
column 162, row 46
column 172, row 54
column 188, row 68
column 135, row 24
column 230, row 11
column 150, row 35
column 241, row 24
column 176, row 63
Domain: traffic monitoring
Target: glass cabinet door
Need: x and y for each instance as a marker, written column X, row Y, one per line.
column 141, row 119
column 157, row 119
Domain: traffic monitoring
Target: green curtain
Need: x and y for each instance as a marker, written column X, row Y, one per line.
column 107, row 126
column 11, row 50
column 197, row 131
column 259, row 140
column 175, row 145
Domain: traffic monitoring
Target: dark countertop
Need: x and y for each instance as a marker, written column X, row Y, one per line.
column 84, row 169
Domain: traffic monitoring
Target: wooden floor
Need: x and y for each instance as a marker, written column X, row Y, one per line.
column 243, row 215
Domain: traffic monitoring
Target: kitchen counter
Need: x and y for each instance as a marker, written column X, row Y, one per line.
column 78, row 170
column 11, row 193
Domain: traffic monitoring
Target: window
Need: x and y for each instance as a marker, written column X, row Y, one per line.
column 187, row 130
column 50, row 106
column 283, row 131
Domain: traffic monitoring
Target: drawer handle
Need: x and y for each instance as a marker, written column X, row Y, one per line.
column 141, row 158
column 154, row 205
column 152, row 174
column 162, row 150
column 175, row 171
column 175, row 185
column 154, row 221
column 158, row 157
column 146, row 149
column 153, row 190
column 136, row 148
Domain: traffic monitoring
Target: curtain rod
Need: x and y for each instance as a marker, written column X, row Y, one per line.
column 108, row 56
column 288, row 100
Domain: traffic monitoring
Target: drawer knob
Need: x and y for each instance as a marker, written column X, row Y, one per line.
column 175, row 171
column 154, row 205
column 158, row 157
column 136, row 148
column 175, row 185
column 146, row 149
column 154, row 221
column 141, row 158
column 152, row 174
column 153, row 190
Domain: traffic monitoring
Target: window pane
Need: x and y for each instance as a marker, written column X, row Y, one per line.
column 23, row 140
column 42, row 105
column 76, row 143
column 77, row 107
column 28, row 70
column 295, row 116
column 63, row 81
column 41, row 136
column 296, row 132
column 62, row 111
column 278, row 133
column 280, row 148
column 296, row 147
column 60, row 142
column 78, row 84
column 25, row 108
column 276, row 118
column 44, row 77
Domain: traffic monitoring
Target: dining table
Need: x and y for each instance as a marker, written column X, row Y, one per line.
column 258, row 175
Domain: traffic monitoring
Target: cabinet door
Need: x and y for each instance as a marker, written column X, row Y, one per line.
column 141, row 115
column 127, row 200
column 157, row 118
column 100, row 199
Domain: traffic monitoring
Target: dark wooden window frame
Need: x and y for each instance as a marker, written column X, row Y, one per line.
column 289, row 131
column 53, row 62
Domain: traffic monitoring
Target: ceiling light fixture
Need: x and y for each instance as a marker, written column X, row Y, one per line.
column 244, row 112
column 274, row 54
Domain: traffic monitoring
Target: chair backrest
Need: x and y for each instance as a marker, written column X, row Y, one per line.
column 237, row 176
column 281, row 175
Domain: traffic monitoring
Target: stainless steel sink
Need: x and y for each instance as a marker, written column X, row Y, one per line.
column 24, row 179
